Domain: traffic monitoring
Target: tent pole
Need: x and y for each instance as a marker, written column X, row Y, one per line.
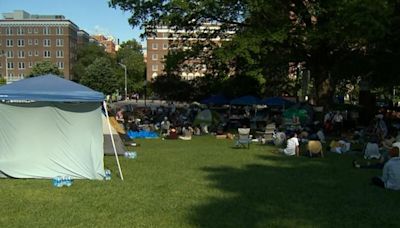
column 112, row 140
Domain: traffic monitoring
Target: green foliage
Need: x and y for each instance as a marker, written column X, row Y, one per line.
column 100, row 76
column 172, row 87
column 336, row 40
column 45, row 67
column 206, row 183
column 86, row 55
column 131, row 55
column 2, row 81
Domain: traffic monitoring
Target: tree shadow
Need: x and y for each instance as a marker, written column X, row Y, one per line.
column 284, row 192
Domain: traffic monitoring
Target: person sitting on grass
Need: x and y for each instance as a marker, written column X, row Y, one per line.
column 292, row 147
column 314, row 148
column 376, row 165
column 172, row 134
column 390, row 178
column 371, row 150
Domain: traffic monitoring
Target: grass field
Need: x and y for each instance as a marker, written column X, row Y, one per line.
column 207, row 183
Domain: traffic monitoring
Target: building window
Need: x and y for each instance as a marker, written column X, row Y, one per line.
column 36, row 53
column 165, row 46
column 46, row 42
column 154, row 57
column 36, row 42
column 35, row 30
column 21, row 65
column 9, row 31
column 1, row 65
column 10, row 65
column 60, row 65
column 0, row 42
column 60, row 54
column 154, row 46
column 10, row 54
column 29, row 42
column 46, row 54
column 21, row 54
column 30, row 65
column 154, row 67
column 59, row 42
column 59, row 31
column 20, row 43
column 46, row 30
column 9, row 43
column 20, row 31
column 29, row 30
column 29, row 53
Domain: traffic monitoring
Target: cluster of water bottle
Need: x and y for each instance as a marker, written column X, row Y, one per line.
column 130, row 154
column 60, row 181
column 107, row 174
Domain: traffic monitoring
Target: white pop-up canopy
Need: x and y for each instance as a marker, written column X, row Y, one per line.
column 57, row 131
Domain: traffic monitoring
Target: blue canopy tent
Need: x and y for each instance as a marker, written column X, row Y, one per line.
column 51, row 127
column 245, row 100
column 215, row 100
column 276, row 101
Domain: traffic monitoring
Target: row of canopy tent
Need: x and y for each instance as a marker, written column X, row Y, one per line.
column 247, row 100
column 52, row 127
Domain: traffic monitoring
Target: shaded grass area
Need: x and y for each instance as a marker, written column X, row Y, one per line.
column 207, row 183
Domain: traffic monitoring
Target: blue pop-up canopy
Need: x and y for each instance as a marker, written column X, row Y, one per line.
column 276, row 101
column 59, row 134
column 216, row 100
column 49, row 88
column 245, row 100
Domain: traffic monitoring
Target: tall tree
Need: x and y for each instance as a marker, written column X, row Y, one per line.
column 100, row 76
column 45, row 67
column 86, row 55
column 334, row 39
column 130, row 54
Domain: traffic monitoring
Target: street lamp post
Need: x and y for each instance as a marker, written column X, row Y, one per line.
column 126, row 89
column 145, row 93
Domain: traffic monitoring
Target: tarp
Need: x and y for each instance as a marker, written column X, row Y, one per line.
column 107, row 145
column 245, row 100
column 49, row 139
column 49, row 88
column 276, row 101
column 216, row 100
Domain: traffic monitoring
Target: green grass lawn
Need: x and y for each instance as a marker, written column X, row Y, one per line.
column 207, row 183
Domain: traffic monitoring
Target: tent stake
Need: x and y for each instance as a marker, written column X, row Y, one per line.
column 112, row 140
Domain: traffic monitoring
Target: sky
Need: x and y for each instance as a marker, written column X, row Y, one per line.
column 93, row 16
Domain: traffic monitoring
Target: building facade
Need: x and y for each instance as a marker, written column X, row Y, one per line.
column 165, row 39
column 107, row 42
column 27, row 39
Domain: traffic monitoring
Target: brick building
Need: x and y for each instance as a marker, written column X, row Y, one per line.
column 165, row 39
column 27, row 39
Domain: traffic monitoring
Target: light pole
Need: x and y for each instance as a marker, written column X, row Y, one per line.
column 3, row 53
column 126, row 89
column 145, row 93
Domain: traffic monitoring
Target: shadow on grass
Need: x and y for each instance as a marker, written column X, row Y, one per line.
column 286, row 192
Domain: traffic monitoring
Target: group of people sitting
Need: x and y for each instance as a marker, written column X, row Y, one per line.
column 379, row 153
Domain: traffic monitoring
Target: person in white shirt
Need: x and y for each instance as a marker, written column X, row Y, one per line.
column 292, row 147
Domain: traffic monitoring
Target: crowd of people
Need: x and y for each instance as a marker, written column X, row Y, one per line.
column 378, row 143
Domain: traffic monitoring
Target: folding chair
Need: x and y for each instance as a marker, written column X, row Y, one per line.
column 269, row 132
column 243, row 137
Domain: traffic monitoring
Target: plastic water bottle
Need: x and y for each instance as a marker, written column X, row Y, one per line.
column 107, row 174
column 126, row 154
column 67, row 181
column 57, row 182
column 132, row 155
